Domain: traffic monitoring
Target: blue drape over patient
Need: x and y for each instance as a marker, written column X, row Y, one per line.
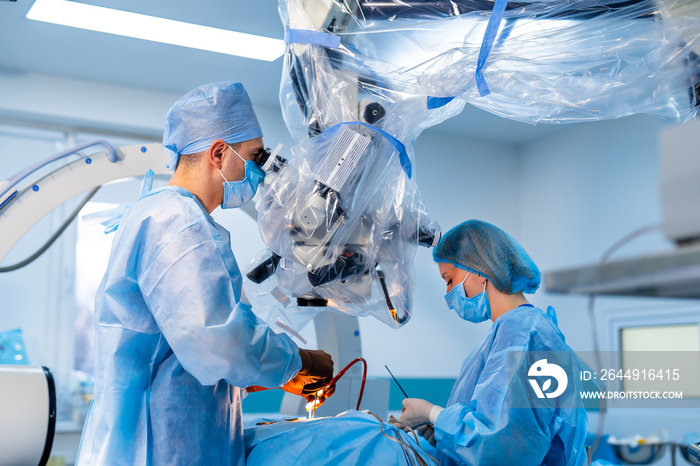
column 352, row 438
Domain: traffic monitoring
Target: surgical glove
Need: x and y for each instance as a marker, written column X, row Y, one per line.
column 316, row 371
column 416, row 412
column 318, row 365
column 428, row 433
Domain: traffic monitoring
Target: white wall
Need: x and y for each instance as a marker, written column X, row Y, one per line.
column 581, row 191
column 68, row 102
column 35, row 98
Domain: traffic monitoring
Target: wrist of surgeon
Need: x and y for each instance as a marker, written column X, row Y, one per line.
column 312, row 379
column 416, row 412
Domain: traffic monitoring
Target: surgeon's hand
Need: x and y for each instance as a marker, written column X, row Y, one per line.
column 416, row 412
column 316, row 371
column 427, row 432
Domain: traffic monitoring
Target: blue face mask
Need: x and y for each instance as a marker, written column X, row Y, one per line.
column 237, row 193
column 476, row 309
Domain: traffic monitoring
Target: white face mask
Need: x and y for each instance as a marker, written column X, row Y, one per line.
column 475, row 309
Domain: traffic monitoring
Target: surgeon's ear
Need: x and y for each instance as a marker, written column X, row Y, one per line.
column 215, row 153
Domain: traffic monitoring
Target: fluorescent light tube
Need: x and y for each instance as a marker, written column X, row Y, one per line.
column 124, row 23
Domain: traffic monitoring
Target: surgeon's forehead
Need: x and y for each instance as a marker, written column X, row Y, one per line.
column 252, row 146
column 446, row 268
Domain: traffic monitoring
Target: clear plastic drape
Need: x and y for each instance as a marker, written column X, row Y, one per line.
column 341, row 213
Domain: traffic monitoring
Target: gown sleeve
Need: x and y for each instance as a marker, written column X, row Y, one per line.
column 189, row 291
column 487, row 430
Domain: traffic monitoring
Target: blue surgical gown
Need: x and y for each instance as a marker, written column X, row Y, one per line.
column 175, row 341
column 478, row 427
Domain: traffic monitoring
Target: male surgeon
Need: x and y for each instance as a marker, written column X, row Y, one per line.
column 175, row 337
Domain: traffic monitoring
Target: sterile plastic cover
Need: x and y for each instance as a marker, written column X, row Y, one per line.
column 387, row 70
column 550, row 61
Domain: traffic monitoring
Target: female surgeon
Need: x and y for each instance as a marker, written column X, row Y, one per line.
column 493, row 416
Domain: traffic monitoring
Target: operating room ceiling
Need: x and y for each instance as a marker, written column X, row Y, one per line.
column 35, row 47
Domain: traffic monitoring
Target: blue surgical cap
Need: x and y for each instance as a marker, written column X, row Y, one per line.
column 210, row 112
column 486, row 250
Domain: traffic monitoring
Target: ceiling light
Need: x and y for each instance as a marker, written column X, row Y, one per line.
column 153, row 28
